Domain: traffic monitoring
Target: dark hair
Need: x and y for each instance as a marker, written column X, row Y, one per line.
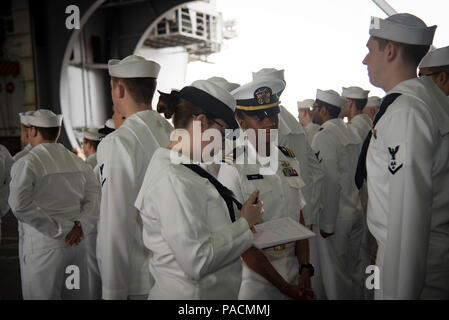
column 359, row 103
column 440, row 69
column 333, row 111
column 239, row 113
column 94, row 143
column 140, row 89
column 412, row 54
column 50, row 134
column 181, row 110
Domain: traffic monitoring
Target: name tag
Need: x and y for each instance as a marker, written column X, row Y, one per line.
column 254, row 176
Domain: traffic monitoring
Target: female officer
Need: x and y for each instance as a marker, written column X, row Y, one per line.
column 187, row 214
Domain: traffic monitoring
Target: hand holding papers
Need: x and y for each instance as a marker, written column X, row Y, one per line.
column 280, row 231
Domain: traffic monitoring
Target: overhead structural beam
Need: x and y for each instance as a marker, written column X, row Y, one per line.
column 385, row 7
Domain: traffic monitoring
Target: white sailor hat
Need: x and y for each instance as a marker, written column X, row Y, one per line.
column 211, row 98
column 92, row 134
column 108, row 127
column 331, row 97
column 354, row 93
column 306, row 104
column 225, row 84
column 269, row 73
column 133, row 67
column 258, row 95
column 436, row 58
column 374, row 101
column 404, row 28
column 44, row 118
column 24, row 117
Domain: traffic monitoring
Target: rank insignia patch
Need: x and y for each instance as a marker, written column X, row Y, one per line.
column 395, row 163
column 317, row 155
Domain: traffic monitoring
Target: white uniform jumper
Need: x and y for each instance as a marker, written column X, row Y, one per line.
column 408, row 183
column 50, row 189
column 195, row 246
column 123, row 157
column 338, row 150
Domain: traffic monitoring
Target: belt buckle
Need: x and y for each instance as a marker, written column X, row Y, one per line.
column 279, row 247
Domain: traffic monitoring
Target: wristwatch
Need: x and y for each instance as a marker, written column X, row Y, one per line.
column 307, row 266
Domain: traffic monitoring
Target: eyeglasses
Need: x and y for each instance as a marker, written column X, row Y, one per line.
column 226, row 133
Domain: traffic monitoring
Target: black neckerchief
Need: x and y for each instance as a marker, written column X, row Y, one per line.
column 361, row 174
column 225, row 193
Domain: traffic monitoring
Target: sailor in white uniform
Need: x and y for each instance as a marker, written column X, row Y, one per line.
column 407, row 164
column 91, row 140
column 123, row 157
column 340, row 221
column 305, row 118
column 359, row 123
column 189, row 219
column 274, row 272
column 6, row 163
column 436, row 66
column 56, row 197
column 24, row 126
column 372, row 107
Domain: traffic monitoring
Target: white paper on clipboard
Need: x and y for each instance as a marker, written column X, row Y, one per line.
column 280, row 231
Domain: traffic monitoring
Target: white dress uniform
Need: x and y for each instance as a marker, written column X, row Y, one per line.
column 195, row 246
column 408, row 206
column 187, row 225
column 51, row 188
column 337, row 150
column 5, row 177
column 282, row 197
column 123, row 157
column 311, row 130
column 278, row 178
